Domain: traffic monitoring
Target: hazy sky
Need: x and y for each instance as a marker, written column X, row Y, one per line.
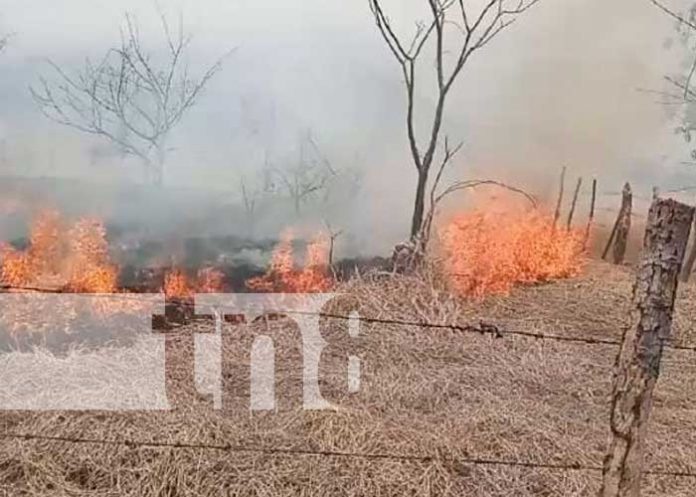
column 560, row 86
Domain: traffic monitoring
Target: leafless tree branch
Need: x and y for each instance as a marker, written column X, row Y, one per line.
column 673, row 14
column 475, row 30
column 310, row 175
column 130, row 97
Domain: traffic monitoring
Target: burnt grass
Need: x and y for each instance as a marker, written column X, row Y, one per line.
column 426, row 392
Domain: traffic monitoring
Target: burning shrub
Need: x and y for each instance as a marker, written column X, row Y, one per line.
column 282, row 276
column 489, row 251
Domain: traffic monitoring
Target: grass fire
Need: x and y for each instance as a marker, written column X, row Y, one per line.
column 490, row 250
column 425, row 248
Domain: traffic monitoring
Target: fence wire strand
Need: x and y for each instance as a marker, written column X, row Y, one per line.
column 474, row 461
column 481, row 328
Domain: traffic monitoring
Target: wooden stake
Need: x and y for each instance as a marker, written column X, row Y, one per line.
column 638, row 362
column 575, row 201
column 557, row 214
column 612, row 236
column 590, row 219
column 690, row 261
column 624, row 226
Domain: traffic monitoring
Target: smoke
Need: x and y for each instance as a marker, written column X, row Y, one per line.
column 560, row 87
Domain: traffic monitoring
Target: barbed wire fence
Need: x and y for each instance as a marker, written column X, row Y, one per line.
column 668, row 223
column 481, row 329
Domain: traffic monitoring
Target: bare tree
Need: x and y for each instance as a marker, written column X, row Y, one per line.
column 132, row 97
column 682, row 93
column 332, row 236
column 251, row 193
column 680, row 90
column 306, row 178
column 474, row 30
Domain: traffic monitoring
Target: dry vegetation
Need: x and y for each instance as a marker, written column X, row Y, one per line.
column 424, row 392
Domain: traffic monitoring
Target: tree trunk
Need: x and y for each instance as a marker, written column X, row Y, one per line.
column 158, row 176
column 638, row 362
column 158, row 166
column 297, row 202
column 419, row 205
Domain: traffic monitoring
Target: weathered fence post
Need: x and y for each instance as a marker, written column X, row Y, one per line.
column 590, row 218
column 638, row 362
column 578, row 185
column 622, row 227
column 690, row 261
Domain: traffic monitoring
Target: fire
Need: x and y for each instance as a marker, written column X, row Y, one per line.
column 283, row 276
column 74, row 258
column 16, row 267
column 210, row 280
column 90, row 269
column 488, row 251
column 178, row 285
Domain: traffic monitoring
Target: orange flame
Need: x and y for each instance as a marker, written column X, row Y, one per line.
column 89, row 266
column 77, row 258
column 488, row 251
column 176, row 284
column 210, row 280
column 282, row 275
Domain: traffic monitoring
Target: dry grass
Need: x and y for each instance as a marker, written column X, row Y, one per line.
column 424, row 392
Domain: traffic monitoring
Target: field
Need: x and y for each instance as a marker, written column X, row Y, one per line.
column 430, row 399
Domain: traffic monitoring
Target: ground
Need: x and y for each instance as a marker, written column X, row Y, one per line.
column 424, row 392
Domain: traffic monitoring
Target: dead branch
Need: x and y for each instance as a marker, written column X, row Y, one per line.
column 457, row 187
column 673, row 14
column 128, row 97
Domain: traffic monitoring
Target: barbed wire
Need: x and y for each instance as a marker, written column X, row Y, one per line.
column 474, row 461
column 481, row 328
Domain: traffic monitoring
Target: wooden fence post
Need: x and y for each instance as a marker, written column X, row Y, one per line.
column 590, row 218
column 622, row 226
column 574, row 203
column 638, row 362
column 690, row 261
